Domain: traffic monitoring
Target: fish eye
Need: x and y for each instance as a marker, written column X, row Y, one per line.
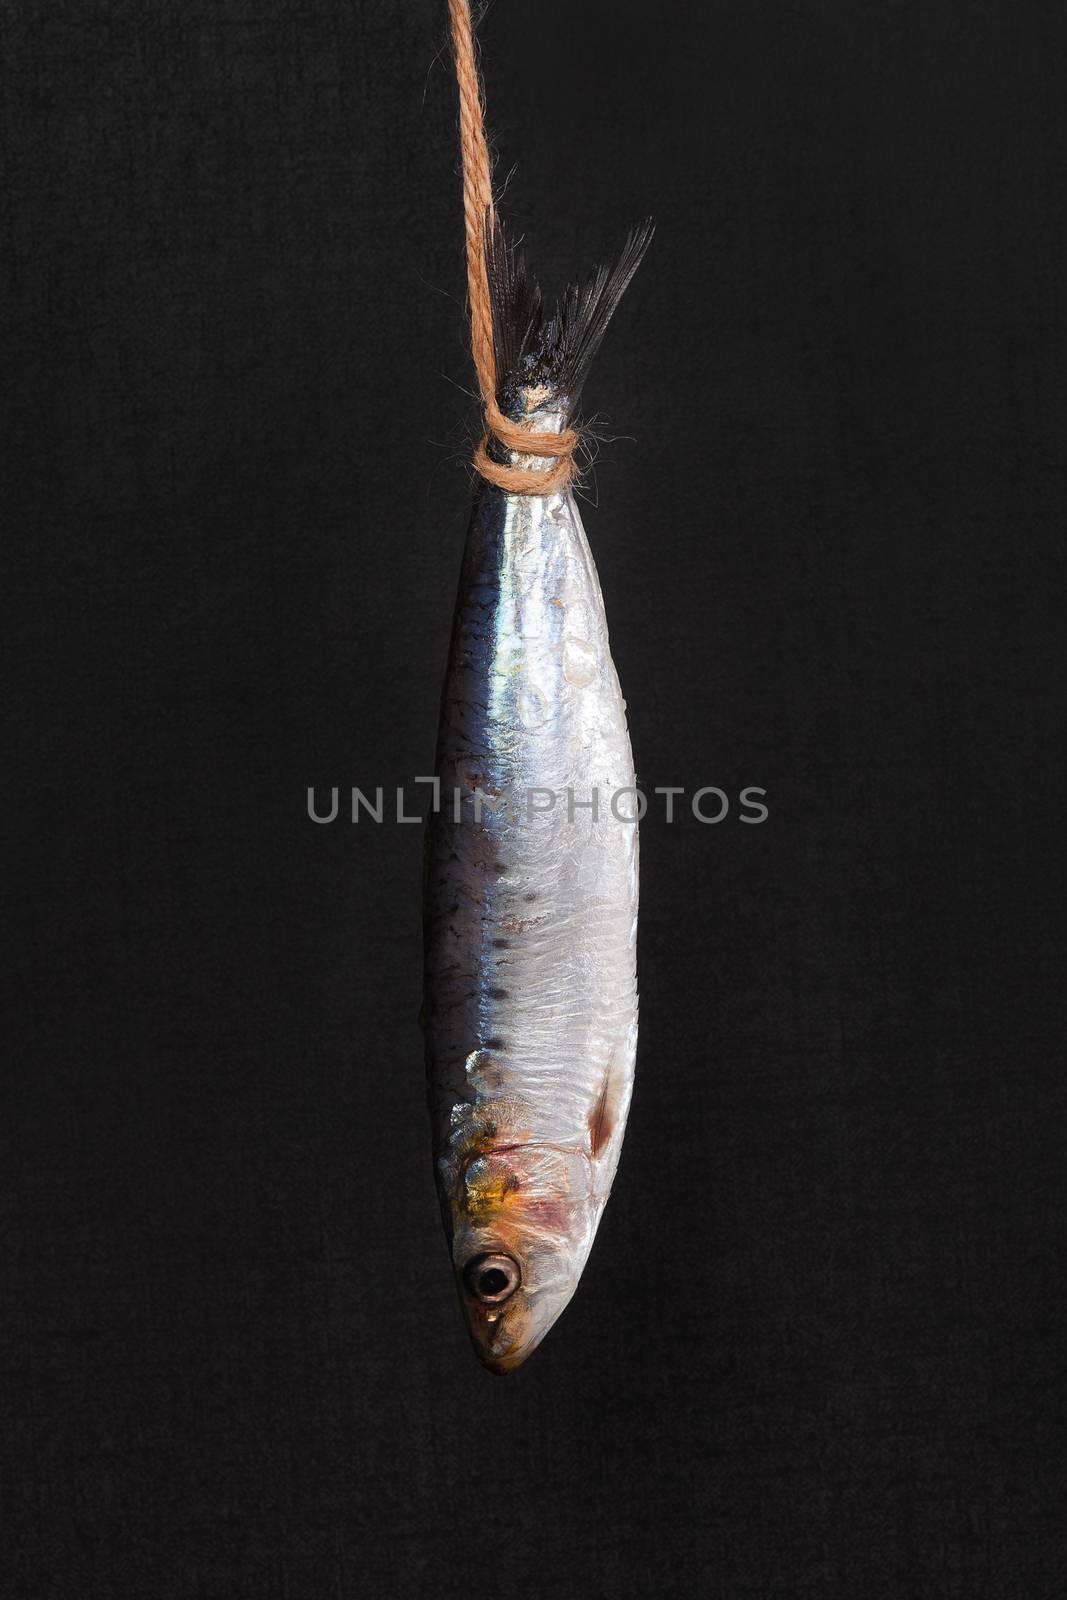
column 491, row 1279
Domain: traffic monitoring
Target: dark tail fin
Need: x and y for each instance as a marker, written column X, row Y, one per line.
column 533, row 347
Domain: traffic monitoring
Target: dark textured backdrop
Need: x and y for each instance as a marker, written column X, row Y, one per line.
column 816, row 1350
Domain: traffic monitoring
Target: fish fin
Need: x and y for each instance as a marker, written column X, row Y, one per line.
column 534, row 347
column 602, row 1117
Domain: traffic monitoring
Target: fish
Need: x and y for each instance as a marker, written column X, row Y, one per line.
column 530, row 1006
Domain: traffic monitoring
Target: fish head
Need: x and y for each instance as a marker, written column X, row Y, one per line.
column 523, row 1222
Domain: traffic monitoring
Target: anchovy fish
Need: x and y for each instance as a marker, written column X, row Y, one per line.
column 530, row 1007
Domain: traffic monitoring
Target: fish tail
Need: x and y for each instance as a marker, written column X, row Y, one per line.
column 534, row 346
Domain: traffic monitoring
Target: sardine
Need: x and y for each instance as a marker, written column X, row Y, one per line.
column 530, row 1007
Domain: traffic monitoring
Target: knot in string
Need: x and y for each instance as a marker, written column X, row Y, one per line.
column 528, row 442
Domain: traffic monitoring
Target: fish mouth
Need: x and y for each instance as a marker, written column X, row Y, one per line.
column 499, row 1348
column 501, row 1365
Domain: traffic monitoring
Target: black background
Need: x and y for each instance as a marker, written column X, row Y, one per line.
column 816, row 1349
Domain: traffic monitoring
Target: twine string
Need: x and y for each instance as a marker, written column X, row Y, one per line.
column 478, row 210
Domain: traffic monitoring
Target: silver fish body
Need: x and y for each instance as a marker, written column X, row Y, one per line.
column 530, row 1008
